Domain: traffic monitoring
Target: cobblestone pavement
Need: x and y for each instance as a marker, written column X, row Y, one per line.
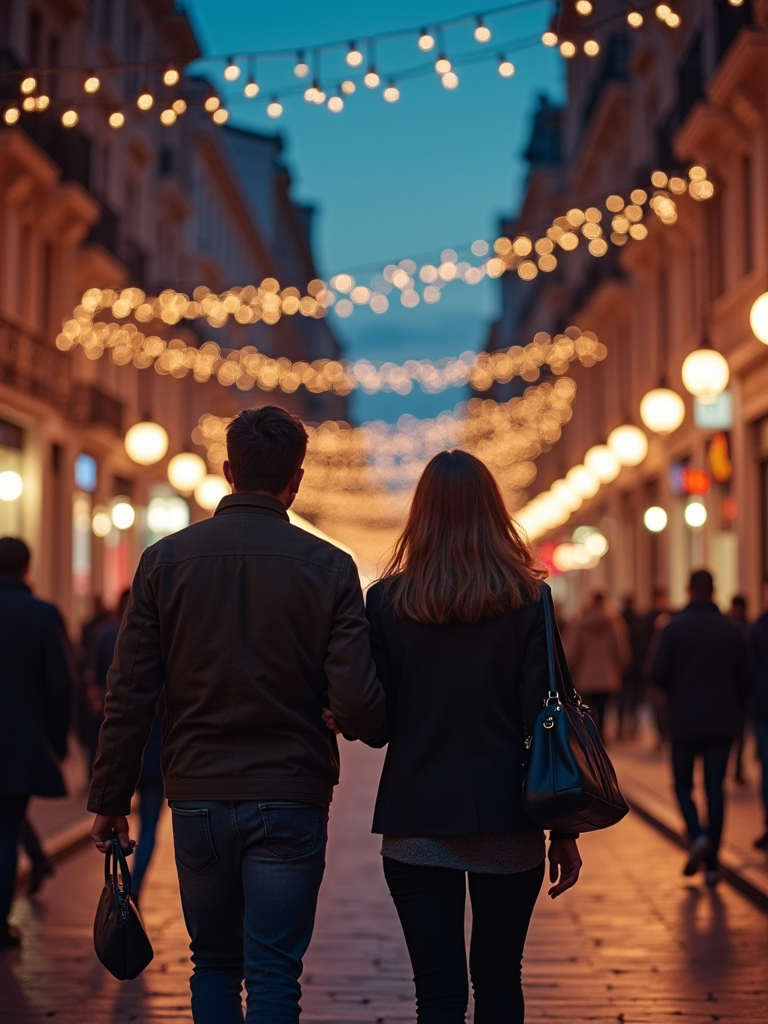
column 634, row 942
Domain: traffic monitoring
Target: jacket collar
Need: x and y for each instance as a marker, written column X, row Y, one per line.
column 251, row 503
column 12, row 583
column 702, row 606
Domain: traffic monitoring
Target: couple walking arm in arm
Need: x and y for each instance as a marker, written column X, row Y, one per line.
column 254, row 630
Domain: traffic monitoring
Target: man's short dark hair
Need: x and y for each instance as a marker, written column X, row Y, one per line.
column 702, row 585
column 265, row 447
column 14, row 557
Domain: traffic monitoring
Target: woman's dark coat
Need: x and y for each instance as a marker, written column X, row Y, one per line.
column 461, row 699
column 35, row 692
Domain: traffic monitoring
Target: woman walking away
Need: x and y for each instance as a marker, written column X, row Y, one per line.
column 458, row 637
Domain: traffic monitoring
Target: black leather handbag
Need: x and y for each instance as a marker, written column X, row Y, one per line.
column 119, row 938
column 570, row 784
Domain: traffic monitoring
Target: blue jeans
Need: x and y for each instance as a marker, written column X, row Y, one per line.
column 150, row 808
column 761, row 735
column 715, row 751
column 249, row 874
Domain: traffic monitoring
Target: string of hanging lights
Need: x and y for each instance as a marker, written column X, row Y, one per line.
column 35, row 91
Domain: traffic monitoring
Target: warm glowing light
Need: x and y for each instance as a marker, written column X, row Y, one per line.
column 583, row 481
column 12, row 115
column 663, row 11
column 583, row 7
column 101, row 523
column 596, row 544
column 662, row 410
column 116, row 120
column 706, row 374
column 301, row 68
column 169, row 116
column 391, row 93
column 275, row 108
column 354, row 58
column 231, row 71
column 482, row 32
column 69, row 118
column 635, row 19
column 549, row 39
column 29, row 103
column 146, row 443
column 450, row 80
column 123, row 514
column 591, row 47
column 28, row 85
column 655, row 519
column 567, row 49
column 211, row 489
column 146, row 101
column 506, row 68
column 758, row 318
column 372, row 79
column 603, row 463
column 185, row 471
column 92, row 84
column 335, row 104
column 171, row 77
column 442, row 65
column 629, row 444
column 310, row 93
column 251, row 89
column 569, row 497
column 695, row 514
column 220, row 116
column 211, row 104
column 348, row 87
column 11, row 485
column 167, row 515
column 426, row 41
column 179, row 106
column 43, row 102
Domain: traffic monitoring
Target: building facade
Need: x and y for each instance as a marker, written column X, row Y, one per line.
column 658, row 98
column 143, row 205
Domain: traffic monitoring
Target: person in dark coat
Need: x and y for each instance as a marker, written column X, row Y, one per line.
column 35, row 693
column 458, row 638
column 758, row 635
column 640, row 632
column 101, row 642
column 703, row 664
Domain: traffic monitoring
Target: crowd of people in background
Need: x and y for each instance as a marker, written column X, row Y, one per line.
column 702, row 675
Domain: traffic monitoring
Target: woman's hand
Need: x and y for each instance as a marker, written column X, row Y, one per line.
column 565, row 863
column 330, row 721
column 105, row 827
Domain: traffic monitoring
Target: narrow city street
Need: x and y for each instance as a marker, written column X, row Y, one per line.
column 634, row 942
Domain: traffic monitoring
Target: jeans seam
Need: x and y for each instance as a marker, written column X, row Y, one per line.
column 235, row 824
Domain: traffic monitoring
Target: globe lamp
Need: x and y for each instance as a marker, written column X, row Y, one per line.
column 583, row 481
column 662, row 410
column 123, row 514
column 655, row 519
column 603, row 463
column 629, row 444
column 146, row 443
column 185, row 471
column 569, row 498
column 758, row 318
column 706, row 374
column 695, row 514
column 11, row 485
column 211, row 489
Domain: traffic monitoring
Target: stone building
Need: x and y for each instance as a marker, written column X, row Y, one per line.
column 145, row 205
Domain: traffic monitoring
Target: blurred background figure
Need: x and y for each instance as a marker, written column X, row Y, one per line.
column 759, row 706
column 660, row 616
column 703, row 664
column 99, row 640
column 597, row 647
column 86, row 723
column 639, row 631
column 35, row 693
column 738, row 614
column 41, row 863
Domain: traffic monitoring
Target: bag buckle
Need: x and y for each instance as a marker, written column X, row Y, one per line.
column 549, row 723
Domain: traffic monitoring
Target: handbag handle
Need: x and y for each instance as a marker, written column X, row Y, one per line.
column 114, row 858
column 557, row 666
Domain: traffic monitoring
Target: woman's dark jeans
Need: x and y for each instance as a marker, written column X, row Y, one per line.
column 430, row 904
column 249, row 874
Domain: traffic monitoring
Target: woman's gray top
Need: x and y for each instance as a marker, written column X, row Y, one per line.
column 489, row 853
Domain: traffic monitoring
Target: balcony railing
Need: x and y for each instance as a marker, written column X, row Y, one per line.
column 34, row 368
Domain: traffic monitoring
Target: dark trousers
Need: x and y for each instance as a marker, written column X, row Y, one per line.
column 715, row 751
column 12, row 810
column 430, row 904
column 249, row 875
column 761, row 735
column 150, row 806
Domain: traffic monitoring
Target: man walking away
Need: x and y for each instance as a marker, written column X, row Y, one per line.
column 703, row 664
column 35, row 693
column 250, row 626
column 759, row 639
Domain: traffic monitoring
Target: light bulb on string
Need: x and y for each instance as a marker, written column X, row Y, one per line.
column 28, row 85
column 251, row 89
column 171, row 76
column 758, row 318
column 591, row 47
column 275, row 108
column 301, row 68
column 426, row 41
column 348, row 87
column 29, row 103
column 42, row 102
column 232, row 70
column 116, row 119
column 506, row 67
column 12, row 115
column 567, row 49
column 220, row 116
column 309, row 93
column 482, row 33
column 354, row 57
column 391, row 93
column 442, row 65
column 336, row 104
column 212, row 103
column 705, row 373
column 634, row 17
column 145, row 101
column 450, row 80
column 550, row 39
column 168, row 117
column 372, row 79
column 179, row 106
column 662, row 410
column 319, row 97
column 584, row 8
column 92, row 84
column 69, row 118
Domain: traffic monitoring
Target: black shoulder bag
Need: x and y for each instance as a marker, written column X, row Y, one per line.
column 119, row 938
column 570, row 784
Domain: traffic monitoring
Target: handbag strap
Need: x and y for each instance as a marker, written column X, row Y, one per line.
column 116, row 858
column 557, row 667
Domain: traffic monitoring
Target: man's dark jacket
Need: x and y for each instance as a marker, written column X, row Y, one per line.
column 248, row 622
column 758, row 635
column 703, row 663
column 35, row 693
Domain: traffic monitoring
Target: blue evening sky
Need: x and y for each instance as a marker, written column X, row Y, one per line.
column 433, row 171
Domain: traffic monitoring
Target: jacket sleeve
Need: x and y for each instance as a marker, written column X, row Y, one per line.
column 134, row 683
column 59, row 683
column 354, row 692
column 534, row 674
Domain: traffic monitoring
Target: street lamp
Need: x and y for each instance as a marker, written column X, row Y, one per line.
column 11, row 485
column 603, row 463
column 210, row 491
column 123, row 514
column 706, row 373
column 185, row 471
column 758, row 318
column 655, row 519
column 662, row 410
column 146, row 442
column 695, row 514
column 629, row 444
column 583, row 481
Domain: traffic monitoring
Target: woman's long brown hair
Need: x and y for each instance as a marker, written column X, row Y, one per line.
column 460, row 557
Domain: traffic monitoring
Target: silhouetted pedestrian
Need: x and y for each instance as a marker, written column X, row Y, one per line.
column 35, row 693
column 738, row 614
column 759, row 709
column 660, row 617
column 703, row 664
column 639, row 632
column 597, row 646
